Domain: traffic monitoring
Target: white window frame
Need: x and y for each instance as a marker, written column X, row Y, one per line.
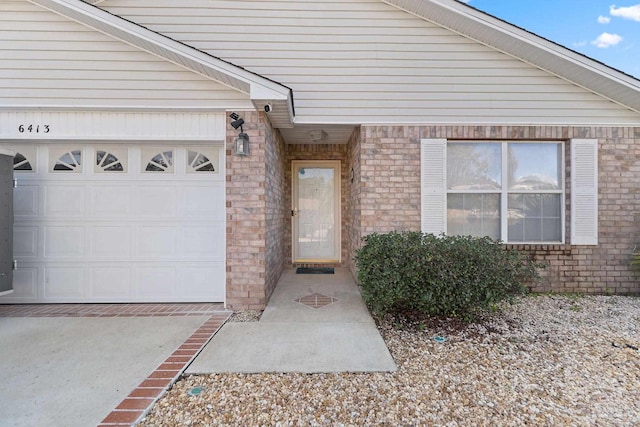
column 584, row 189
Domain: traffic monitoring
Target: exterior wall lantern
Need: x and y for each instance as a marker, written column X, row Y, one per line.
column 241, row 143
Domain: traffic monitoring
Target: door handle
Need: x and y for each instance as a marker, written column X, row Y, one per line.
column 294, row 212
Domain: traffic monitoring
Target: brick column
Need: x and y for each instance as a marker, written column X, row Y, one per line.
column 245, row 210
column 255, row 214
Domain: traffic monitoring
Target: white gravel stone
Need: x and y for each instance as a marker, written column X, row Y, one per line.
column 245, row 316
column 545, row 361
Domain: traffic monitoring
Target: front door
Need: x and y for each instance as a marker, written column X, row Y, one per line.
column 316, row 211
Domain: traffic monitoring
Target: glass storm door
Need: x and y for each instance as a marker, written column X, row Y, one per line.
column 316, row 211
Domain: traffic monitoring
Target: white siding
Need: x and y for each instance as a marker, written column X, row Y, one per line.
column 47, row 60
column 362, row 61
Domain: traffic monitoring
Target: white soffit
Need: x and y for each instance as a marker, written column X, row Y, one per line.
column 524, row 45
column 260, row 90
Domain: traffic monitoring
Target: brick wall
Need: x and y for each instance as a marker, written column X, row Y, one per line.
column 385, row 196
column 390, row 179
column 254, row 214
column 277, row 214
column 354, row 231
column 390, row 197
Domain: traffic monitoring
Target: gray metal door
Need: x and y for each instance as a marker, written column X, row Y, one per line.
column 6, row 223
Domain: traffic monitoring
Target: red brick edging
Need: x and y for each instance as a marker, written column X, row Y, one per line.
column 139, row 402
column 110, row 310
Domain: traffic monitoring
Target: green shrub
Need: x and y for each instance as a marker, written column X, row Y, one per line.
column 453, row 276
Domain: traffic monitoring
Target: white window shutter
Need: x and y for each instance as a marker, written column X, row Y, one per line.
column 584, row 191
column 433, row 172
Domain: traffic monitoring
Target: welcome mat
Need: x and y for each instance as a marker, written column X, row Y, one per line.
column 315, row 270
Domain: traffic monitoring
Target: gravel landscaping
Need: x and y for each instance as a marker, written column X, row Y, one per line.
column 545, row 361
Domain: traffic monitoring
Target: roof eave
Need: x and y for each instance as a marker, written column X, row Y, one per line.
column 259, row 89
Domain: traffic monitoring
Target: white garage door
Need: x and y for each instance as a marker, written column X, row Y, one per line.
column 119, row 223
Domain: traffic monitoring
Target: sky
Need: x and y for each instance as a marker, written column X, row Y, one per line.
column 605, row 30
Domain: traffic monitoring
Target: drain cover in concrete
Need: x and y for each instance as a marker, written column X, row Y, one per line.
column 316, row 300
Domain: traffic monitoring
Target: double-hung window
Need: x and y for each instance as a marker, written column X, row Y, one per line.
column 512, row 191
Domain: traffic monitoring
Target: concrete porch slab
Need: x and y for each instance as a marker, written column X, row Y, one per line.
column 292, row 336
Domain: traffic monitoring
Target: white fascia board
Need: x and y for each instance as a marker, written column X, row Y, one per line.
column 255, row 86
column 261, row 92
column 569, row 65
column 282, row 111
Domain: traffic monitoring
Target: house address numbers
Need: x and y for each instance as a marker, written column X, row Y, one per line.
column 34, row 128
column 111, row 125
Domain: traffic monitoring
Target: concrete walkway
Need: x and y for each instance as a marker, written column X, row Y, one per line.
column 313, row 323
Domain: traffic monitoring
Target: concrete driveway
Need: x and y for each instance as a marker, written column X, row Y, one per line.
column 88, row 371
column 69, row 368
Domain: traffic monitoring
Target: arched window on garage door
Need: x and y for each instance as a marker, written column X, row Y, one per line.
column 197, row 161
column 66, row 160
column 111, row 160
column 21, row 163
column 24, row 160
column 158, row 161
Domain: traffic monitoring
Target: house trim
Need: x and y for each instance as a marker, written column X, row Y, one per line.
column 43, row 125
column 433, row 173
column 584, row 191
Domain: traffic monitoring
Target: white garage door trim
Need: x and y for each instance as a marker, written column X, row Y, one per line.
column 150, row 228
column 43, row 125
